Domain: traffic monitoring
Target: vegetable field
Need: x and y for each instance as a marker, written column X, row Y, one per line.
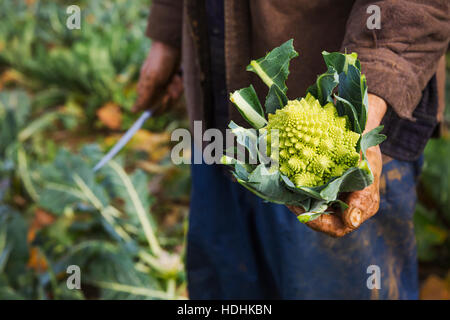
column 65, row 98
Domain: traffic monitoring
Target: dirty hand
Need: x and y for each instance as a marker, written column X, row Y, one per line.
column 363, row 204
column 158, row 82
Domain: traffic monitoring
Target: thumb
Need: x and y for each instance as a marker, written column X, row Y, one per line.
column 352, row 217
column 144, row 95
column 362, row 205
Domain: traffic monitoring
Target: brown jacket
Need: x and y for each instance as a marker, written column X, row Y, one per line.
column 398, row 59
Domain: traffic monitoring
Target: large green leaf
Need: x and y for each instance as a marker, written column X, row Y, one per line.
column 109, row 267
column 266, row 183
column 13, row 245
column 68, row 183
column 15, row 108
column 372, row 138
column 341, row 61
column 353, row 179
column 344, row 73
column 58, row 187
column 324, row 86
column 353, row 88
column 274, row 67
column 134, row 191
column 345, row 108
column 276, row 99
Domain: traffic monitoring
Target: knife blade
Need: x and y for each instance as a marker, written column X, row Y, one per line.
column 123, row 140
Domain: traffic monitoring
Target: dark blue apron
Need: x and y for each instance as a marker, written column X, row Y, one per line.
column 240, row 247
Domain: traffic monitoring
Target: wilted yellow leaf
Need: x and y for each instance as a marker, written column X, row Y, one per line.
column 90, row 18
column 110, row 115
column 36, row 260
column 9, row 76
column 41, row 219
column 155, row 144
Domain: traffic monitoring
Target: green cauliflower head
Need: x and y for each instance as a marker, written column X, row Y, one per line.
column 314, row 143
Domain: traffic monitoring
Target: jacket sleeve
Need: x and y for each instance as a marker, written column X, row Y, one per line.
column 165, row 22
column 401, row 56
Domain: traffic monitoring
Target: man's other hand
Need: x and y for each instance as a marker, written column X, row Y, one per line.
column 158, row 84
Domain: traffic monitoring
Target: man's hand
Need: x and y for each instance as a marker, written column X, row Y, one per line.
column 158, row 82
column 363, row 204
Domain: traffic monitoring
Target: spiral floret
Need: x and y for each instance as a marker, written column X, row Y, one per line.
column 315, row 144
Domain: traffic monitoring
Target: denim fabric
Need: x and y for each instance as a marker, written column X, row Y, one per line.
column 240, row 247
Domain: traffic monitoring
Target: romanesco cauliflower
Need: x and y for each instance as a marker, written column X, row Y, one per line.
column 314, row 144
